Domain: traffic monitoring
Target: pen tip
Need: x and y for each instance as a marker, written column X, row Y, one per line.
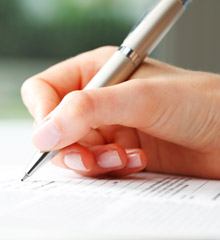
column 25, row 176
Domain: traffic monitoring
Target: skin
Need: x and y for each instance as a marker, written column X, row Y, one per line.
column 165, row 117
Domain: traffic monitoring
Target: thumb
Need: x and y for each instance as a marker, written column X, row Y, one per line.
column 165, row 108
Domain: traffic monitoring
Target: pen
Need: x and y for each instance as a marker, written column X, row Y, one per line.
column 140, row 42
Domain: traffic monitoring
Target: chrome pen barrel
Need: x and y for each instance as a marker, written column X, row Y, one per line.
column 154, row 26
column 118, row 68
column 138, row 44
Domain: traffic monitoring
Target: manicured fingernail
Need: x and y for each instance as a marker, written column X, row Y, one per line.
column 109, row 159
column 134, row 160
column 74, row 161
column 46, row 136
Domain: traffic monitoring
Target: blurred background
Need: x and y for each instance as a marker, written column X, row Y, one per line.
column 36, row 34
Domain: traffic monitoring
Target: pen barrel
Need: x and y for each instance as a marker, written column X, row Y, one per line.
column 154, row 26
column 138, row 44
column 117, row 69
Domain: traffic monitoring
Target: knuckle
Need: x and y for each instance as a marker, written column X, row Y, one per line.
column 79, row 103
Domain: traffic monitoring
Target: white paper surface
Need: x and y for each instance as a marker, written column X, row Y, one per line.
column 56, row 204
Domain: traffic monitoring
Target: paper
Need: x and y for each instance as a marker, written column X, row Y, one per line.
column 56, row 204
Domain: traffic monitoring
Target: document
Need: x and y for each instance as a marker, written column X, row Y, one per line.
column 58, row 204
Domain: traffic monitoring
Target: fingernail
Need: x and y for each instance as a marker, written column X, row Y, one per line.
column 74, row 161
column 46, row 136
column 109, row 159
column 134, row 160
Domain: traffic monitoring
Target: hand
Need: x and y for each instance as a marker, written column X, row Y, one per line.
column 164, row 119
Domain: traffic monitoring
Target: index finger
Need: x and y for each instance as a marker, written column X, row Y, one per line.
column 44, row 91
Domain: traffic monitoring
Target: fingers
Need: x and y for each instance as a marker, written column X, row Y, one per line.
column 40, row 98
column 136, row 162
column 93, row 138
column 109, row 159
column 42, row 92
column 167, row 107
column 81, row 111
column 124, row 136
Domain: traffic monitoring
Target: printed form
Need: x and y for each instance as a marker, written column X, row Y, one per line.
column 56, row 204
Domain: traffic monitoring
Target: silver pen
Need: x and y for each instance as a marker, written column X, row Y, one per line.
column 138, row 44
